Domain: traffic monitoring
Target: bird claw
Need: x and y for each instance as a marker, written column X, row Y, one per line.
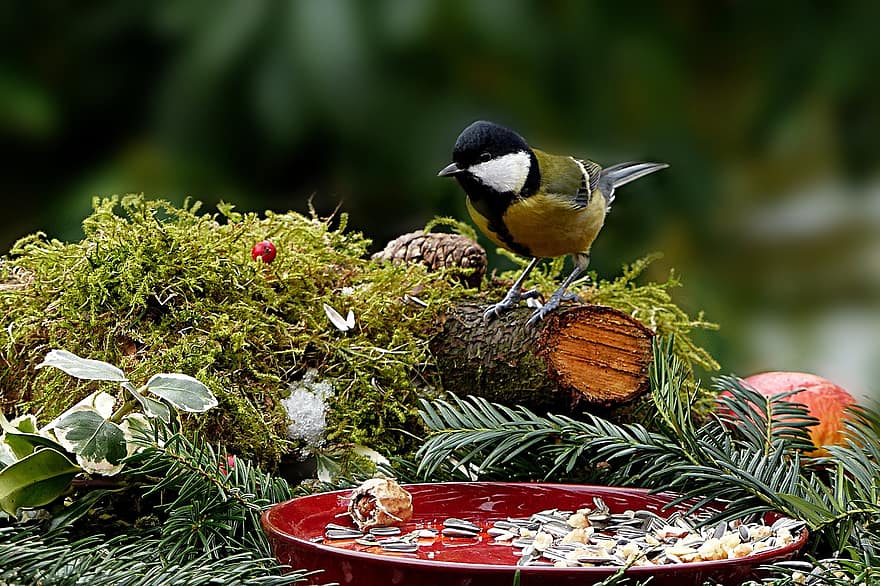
column 539, row 314
column 571, row 297
column 509, row 302
column 552, row 304
column 495, row 310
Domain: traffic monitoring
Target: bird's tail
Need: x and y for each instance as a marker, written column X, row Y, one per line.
column 616, row 175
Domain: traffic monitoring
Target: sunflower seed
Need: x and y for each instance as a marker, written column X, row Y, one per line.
column 525, row 560
column 455, row 532
column 461, row 524
column 595, row 559
column 554, row 555
column 399, row 546
column 548, row 517
column 501, row 534
column 591, row 537
column 343, row 534
column 526, row 556
column 673, row 558
column 384, row 531
column 789, row 524
column 556, row 529
column 618, row 521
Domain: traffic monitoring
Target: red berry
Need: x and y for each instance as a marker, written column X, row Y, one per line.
column 227, row 467
column 263, row 251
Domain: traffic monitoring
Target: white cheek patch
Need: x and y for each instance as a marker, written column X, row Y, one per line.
column 507, row 173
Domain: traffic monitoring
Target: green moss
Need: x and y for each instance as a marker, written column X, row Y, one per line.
column 158, row 288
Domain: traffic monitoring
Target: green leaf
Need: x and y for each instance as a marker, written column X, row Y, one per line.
column 134, row 426
column 23, row 444
column 812, row 512
column 19, row 439
column 25, row 424
column 98, row 443
column 182, row 391
column 35, row 480
column 83, row 368
column 152, row 407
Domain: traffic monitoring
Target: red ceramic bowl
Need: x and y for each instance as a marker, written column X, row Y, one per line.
column 292, row 526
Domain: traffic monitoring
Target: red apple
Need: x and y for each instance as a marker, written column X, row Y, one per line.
column 825, row 400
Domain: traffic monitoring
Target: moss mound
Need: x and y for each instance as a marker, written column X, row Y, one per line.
column 153, row 287
column 158, row 288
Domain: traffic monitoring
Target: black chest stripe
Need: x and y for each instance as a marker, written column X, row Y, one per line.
column 533, row 180
column 492, row 205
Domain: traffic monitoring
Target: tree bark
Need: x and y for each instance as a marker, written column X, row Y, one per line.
column 584, row 356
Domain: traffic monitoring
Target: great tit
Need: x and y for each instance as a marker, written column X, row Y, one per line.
column 533, row 203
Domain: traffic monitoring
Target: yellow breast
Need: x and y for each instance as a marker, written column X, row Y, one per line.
column 549, row 225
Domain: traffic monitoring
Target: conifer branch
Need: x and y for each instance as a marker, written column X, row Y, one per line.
column 213, row 501
column 749, row 455
column 206, row 529
column 125, row 560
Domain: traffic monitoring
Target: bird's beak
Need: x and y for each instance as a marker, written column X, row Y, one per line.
column 449, row 170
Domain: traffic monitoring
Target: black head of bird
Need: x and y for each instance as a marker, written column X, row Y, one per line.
column 533, row 203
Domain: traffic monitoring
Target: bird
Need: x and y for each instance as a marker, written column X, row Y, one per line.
column 535, row 204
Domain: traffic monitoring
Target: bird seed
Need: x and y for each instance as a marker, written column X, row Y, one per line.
column 592, row 537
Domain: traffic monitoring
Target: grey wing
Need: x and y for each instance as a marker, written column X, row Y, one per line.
column 592, row 172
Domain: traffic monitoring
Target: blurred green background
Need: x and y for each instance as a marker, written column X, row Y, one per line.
column 767, row 112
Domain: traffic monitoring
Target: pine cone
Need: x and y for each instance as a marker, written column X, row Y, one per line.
column 439, row 250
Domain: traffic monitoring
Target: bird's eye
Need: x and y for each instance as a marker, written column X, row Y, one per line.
column 485, row 157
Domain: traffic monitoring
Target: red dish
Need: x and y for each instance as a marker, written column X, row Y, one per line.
column 293, row 526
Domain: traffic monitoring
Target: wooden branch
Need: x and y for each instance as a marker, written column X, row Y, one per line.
column 585, row 354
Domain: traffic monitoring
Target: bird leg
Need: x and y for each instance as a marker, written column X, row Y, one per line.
column 561, row 294
column 514, row 295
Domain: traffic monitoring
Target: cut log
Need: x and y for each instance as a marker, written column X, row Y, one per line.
column 587, row 355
